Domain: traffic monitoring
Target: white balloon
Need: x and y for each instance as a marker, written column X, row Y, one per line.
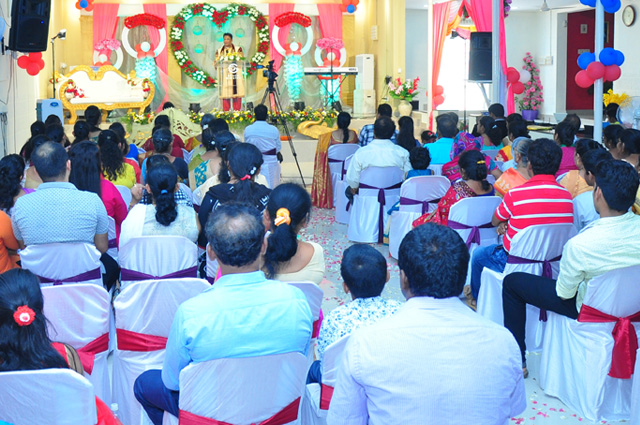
column 524, row 76
column 103, row 58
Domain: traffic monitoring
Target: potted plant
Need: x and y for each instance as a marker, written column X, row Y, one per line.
column 404, row 91
column 531, row 99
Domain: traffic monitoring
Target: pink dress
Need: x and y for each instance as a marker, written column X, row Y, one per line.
column 568, row 163
column 113, row 202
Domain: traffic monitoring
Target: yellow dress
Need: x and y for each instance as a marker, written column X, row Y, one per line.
column 126, row 178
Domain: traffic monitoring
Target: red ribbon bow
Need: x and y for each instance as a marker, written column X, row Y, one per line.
column 143, row 54
column 88, row 353
column 286, row 415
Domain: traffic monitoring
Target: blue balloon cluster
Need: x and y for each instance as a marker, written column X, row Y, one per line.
column 84, row 3
column 590, row 3
column 610, row 56
column 585, row 59
column 611, row 6
column 351, row 8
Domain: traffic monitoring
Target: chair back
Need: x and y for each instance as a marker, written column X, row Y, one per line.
column 173, row 257
column 330, row 364
column 46, row 396
column 313, row 294
column 63, row 263
column 79, row 315
column 125, row 192
column 491, row 153
column 421, row 194
column 113, row 241
column 436, row 168
column 339, row 198
column 144, row 313
column 616, row 292
column 337, row 155
column 186, row 155
column 476, row 212
column 345, row 167
column 243, row 390
column 381, row 177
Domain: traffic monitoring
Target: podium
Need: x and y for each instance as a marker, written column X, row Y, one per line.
column 231, row 78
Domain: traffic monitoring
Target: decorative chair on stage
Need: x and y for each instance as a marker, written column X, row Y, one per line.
column 588, row 363
column 337, row 156
column 63, row 263
column 418, row 196
column 79, row 315
column 379, row 190
column 341, row 202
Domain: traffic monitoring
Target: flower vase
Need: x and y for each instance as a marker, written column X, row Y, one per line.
column 529, row 115
column 405, row 108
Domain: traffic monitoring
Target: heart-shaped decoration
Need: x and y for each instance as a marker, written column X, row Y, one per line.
column 218, row 18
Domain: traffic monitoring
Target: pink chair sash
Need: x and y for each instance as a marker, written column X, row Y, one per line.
column 474, row 236
column 286, row 415
column 133, row 275
column 625, row 339
column 546, row 272
column 381, row 201
column 326, row 393
column 88, row 353
column 82, row 277
column 135, row 341
column 316, row 326
column 425, row 204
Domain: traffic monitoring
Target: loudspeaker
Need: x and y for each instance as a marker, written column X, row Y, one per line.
column 29, row 25
column 480, row 57
column 365, row 77
column 364, row 102
column 46, row 107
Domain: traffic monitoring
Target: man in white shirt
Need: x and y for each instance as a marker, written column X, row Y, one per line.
column 609, row 243
column 381, row 152
column 435, row 361
column 265, row 137
column 584, row 210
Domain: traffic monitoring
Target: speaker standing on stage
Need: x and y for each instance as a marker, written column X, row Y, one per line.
column 231, row 82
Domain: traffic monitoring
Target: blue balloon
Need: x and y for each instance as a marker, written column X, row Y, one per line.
column 619, row 58
column 590, row 3
column 585, row 59
column 84, row 3
column 608, row 56
column 351, row 8
column 611, row 6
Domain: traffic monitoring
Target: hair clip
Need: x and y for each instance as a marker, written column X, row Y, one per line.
column 283, row 216
column 24, row 315
column 163, row 191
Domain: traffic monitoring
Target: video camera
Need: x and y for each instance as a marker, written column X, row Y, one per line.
column 269, row 73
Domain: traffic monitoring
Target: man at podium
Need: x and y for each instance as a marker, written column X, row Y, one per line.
column 230, row 65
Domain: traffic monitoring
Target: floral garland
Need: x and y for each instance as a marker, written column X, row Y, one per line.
column 293, row 18
column 144, row 19
column 330, row 43
column 218, row 17
column 107, row 44
column 507, row 7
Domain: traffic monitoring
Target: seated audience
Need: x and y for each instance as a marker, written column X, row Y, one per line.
column 31, row 178
column 195, row 141
column 52, row 120
column 81, row 130
column 573, row 180
column 439, row 150
column 164, row 216
column 514, row 177
column 141, row 195
column 574, row 121
column 420, row 160
column 483, row 123
column 589, row 254
column 364, row 273
column 565, row 136
column 11, row 175
column 93, row 117
column 381, row 152
column 473, row 183
column 25, row 343
column 215, row 124
column 612, row 115
column 405, row 138
column 114, row 168
column 380, row 379
column 492, row 138
column 513, row 117
column 541, row 200
column 627, row 147
column 242, row 306
column 207, row 165
column 162, row 142
column 58, row 212
column 86, row 174
column 610, row 136
column 263, row 135
column 343, row 134
column 428, row 137
column 462, row 143
column 163, row 121
column 367, row 133
column 584, row 209
column 289, row 259
column 127, row 148
column 37, row 128
column 55, row 133
column 496, row 111
column 517, row 129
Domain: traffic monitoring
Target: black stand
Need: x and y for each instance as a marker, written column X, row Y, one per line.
column 53, row 64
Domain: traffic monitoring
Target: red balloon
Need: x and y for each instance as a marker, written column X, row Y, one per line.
column 438, row 90
column 512, row 75
column 517, row 87
column 23, row 61
column 438, row 100
column 33, row 69
column 595, row 70
column 612, row 72
column 583, row 80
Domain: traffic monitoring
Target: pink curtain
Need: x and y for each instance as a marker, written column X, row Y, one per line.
column 440, row 23
column 162, row 60
column 330, row 17
column 275, row 10
column 105, row 22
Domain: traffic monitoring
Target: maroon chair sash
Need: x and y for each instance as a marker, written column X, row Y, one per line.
column 82, row 277
column 133, row 275
column 135, row 341
column 113, row 243
column 326, row 393
column 381, row 201
column 546, row 272
column 474, row 236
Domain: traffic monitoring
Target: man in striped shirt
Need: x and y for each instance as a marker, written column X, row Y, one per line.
column 541, row 200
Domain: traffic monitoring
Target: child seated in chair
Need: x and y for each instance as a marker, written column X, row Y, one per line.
column 420, row 160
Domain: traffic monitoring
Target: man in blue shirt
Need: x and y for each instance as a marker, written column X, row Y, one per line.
column 242, row 315
column 366, row 133
column 440, row 150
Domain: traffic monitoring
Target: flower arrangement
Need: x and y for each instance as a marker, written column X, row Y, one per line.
column 240, row 119
column 330, row 43
column 611, row 97
column 107, row 44
column 144, row 19
column 403, row 90
column 507, row 7
column 232, row 57
column 532, row 97
column 135, row 118
column 293, row 18
column 72, row 91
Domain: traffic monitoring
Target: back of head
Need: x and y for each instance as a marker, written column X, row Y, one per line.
column 574, row 121
column 584, row 145
column 513, row 117
column 611, row 134
column 497, row 110
column 162, row 121
column 235, row 233
column 494, row 134
column 223, row 139
column 93, row 116
column 405, row 138
column 245, row 161
column 32, row 145
column 167, row 105
column 474, row 166
column 206, row 120
column 155, row 160
column 11, row 172
column 52, row 120
column 384, row 110
column 428, row 136
column 208, row 139
column 260, row 112
column 591, row 158
column 434, row 260
column 447, row 127
column 289, row 206
column 364, row 271
column 486, row 122
column 544, row 156
column 37, row 128
column 420, row 158
column 384, row 128
column 118, row 128
column 85, row 167
column 521, row 147
column 612, row 111
column 219, row 124
column 344, row 121
column 223, row 175
column 618, row 181
column 55, row 133
column 162, row 180
column 50, row 160
column 162, row 139
column 630, row 139
column 81, row 130
column 518, row 129
column 454, row 117
column 24, row 343
column 566, row 133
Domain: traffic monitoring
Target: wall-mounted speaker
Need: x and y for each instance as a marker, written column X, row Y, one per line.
column 29, row 25
column 480, row 57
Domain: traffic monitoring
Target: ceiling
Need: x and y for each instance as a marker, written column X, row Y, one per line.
column 517, row 5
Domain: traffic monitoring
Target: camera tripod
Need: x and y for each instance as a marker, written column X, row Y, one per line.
column 277, row 116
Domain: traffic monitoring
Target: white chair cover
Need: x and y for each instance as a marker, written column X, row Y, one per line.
column 170, row 254
column 337, row 155
column 78, row 315
column 475, row 212
column 436, row 168
column 113, row 242
column 242, row 390
column 314, row 296
column 340, row 200
column 540, row 242
column 368, row 215
column 47, row 396
column 318, row 396
column 146, row 308
column 58, row 262
column 125, row 192
column 561, row 176
column 635, row 393
column 576, row 357
column 211, row 269
column 418, row 195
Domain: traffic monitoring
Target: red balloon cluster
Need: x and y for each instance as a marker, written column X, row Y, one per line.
column 349, row 6
column 32, row 62
column 595, row 71
column 515, row 79
column 438, row 96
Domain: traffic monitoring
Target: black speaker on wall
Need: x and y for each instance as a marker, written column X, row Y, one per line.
column 29, row 25
column 480, row 57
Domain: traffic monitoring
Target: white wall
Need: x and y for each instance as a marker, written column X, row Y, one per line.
column 416, row 50
column 626, row 40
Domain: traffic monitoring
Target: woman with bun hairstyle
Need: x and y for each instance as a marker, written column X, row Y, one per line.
column 162, row 145
column 289, row 259
column 81, row 130
column 11, row 175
